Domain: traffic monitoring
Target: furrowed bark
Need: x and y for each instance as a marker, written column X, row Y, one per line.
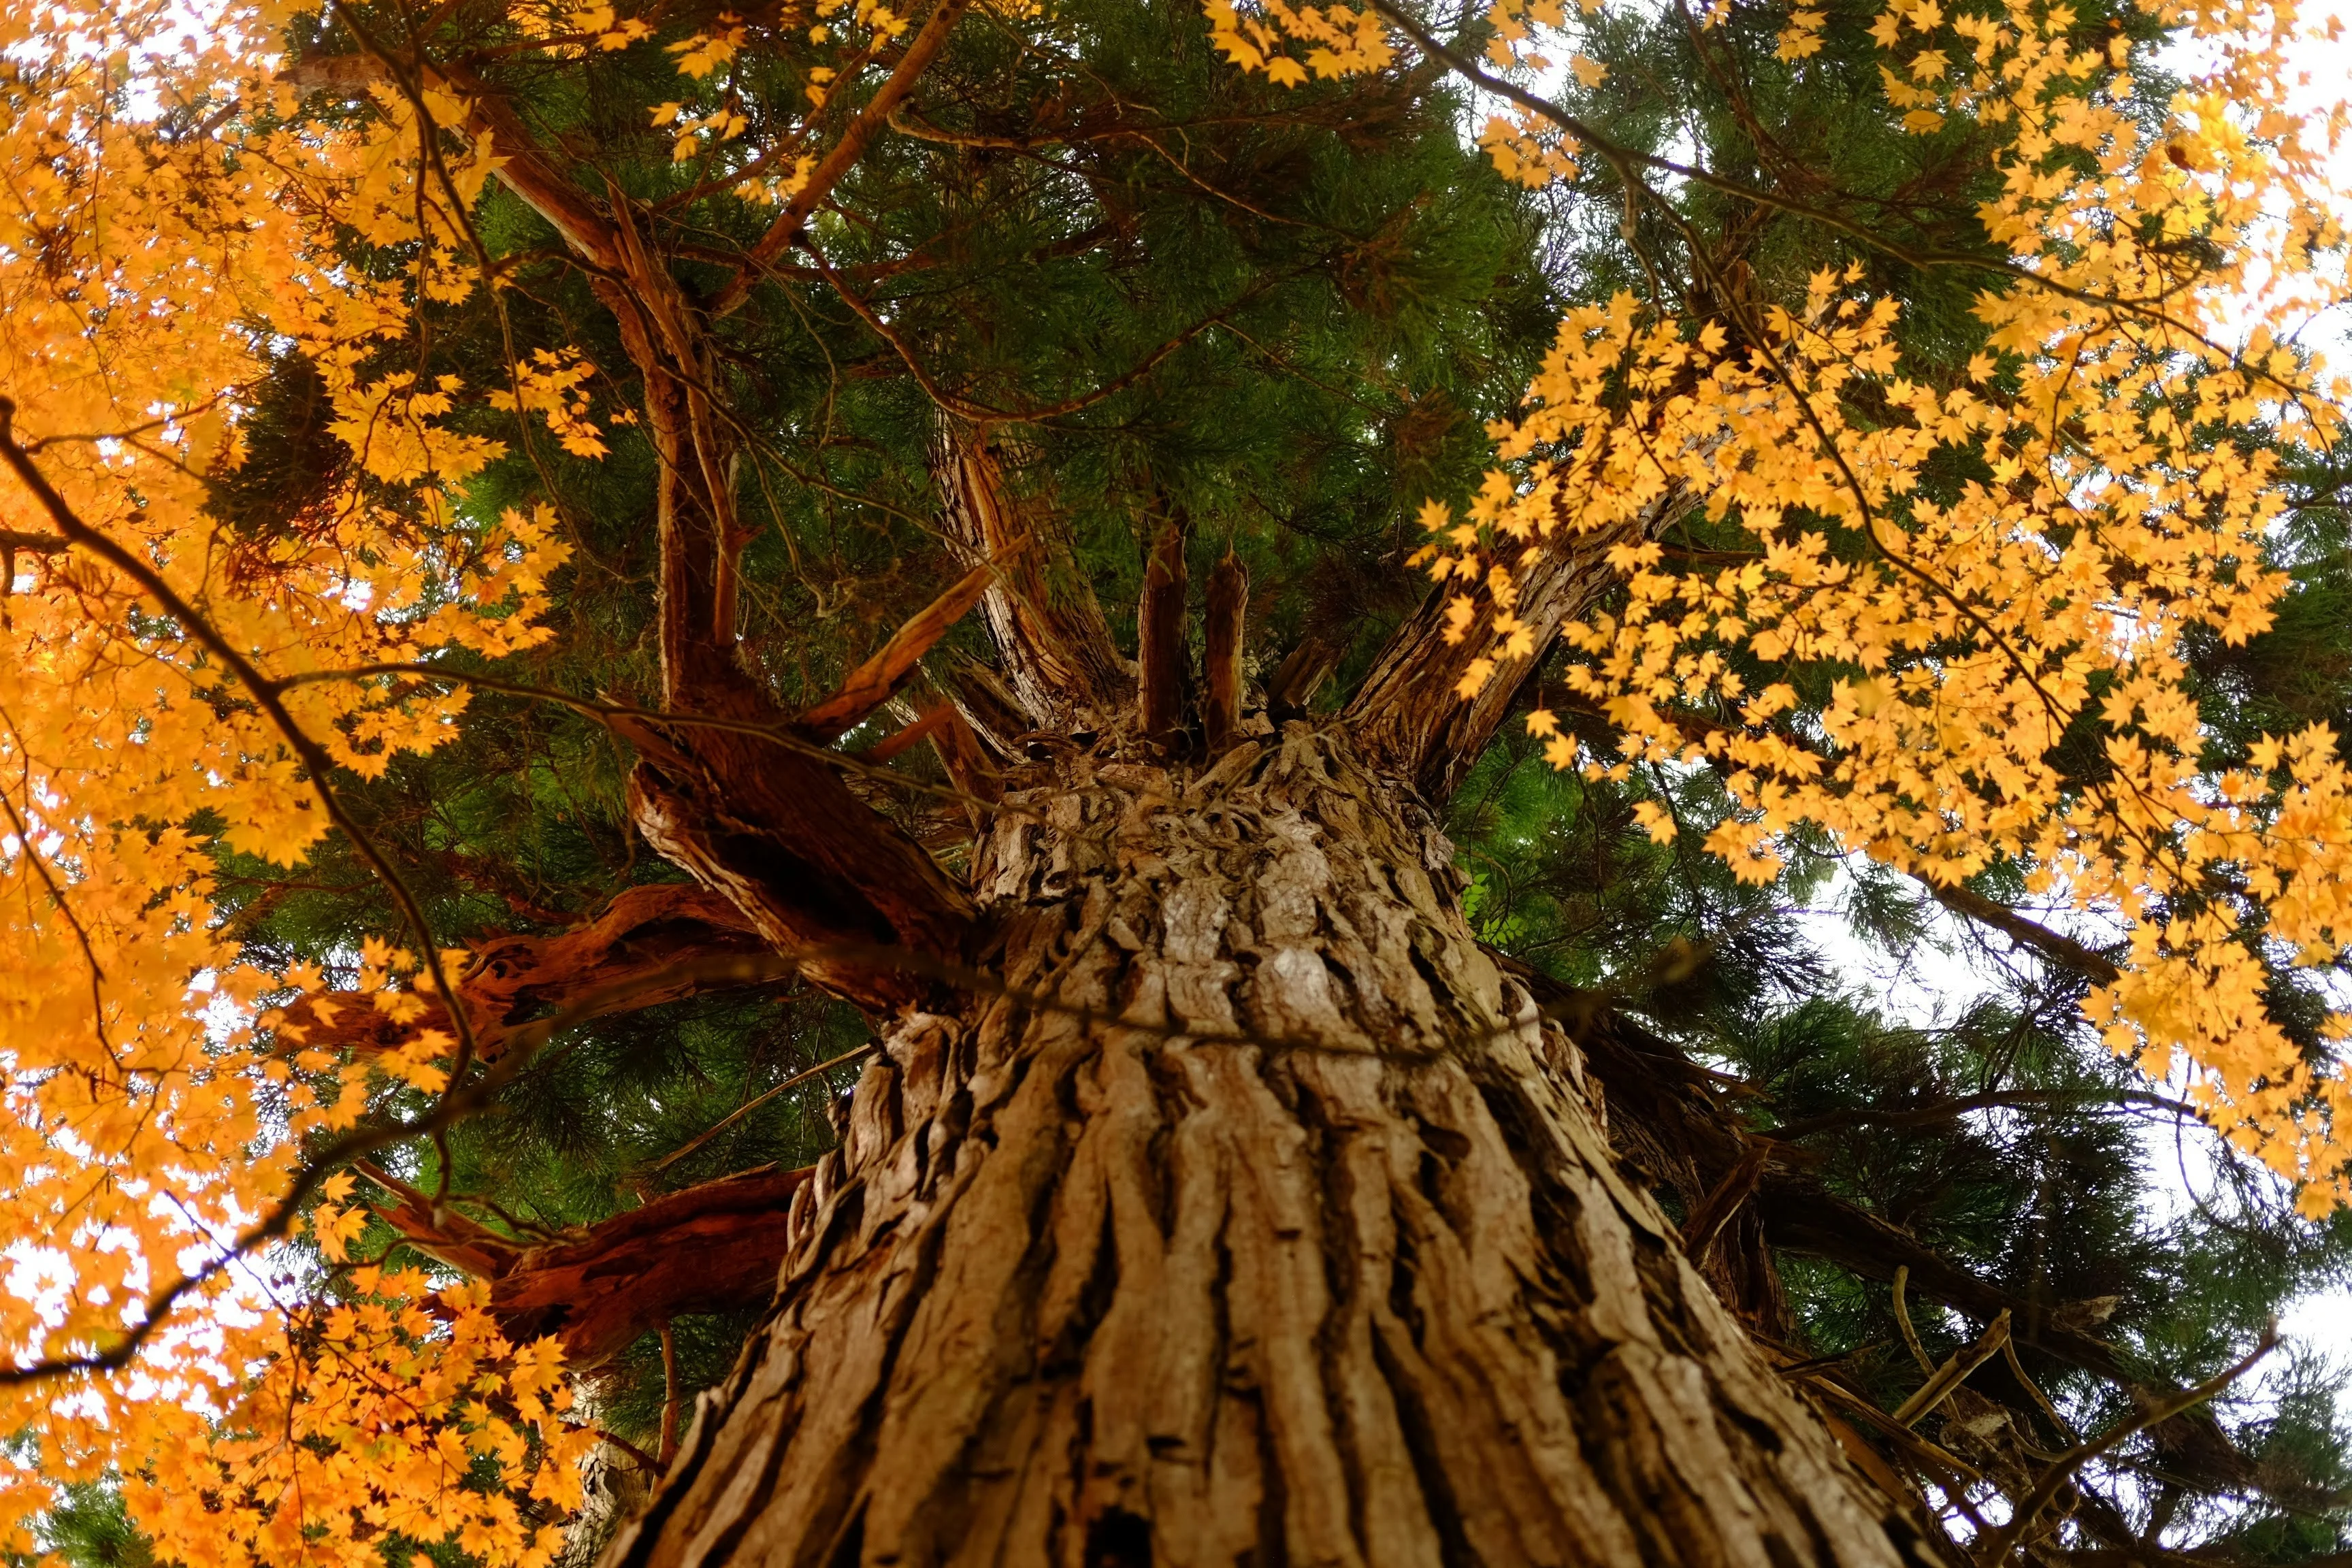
column 1408, row 715
column 1160, row 622
column 1258, row 1218
column 1059, row 660
column 1221, row 653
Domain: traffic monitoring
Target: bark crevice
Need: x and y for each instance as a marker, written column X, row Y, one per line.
column 1258, row 1220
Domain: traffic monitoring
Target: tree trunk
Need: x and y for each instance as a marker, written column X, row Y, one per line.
column 1256, row 1219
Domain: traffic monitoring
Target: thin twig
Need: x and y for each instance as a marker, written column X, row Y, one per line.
column 749, row 1106
column 2030, row 1507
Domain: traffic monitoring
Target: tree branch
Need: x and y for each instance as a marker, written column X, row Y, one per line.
column 1963, row 900
column 709, row 1248
column 1221, row 653
column 628, row 957
column 1060, row 663
column 1409, row 714
column 1160, row 636
column 842, row 155
column 876, row 680
column 1661, row 1113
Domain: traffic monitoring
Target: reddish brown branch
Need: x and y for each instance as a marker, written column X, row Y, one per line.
column 876, row 680
column 630, row 954
column 1221, row 655
column 890, row 745
column 1160, row 636
column 966, row 764
column 711, row 1248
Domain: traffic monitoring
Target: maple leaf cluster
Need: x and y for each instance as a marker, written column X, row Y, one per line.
column 2130, row 419
column 156, row 268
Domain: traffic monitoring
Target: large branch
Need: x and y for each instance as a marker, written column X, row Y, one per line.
column 1409, row 714
column 1059, row 660
column 635, row 954
column 780, row 834
column 711, row 1248
column 2060, row 949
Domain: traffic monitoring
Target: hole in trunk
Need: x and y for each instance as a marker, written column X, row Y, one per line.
column 1118, row 1540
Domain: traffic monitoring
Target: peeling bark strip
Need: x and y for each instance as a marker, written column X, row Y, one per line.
column 1073, row 1291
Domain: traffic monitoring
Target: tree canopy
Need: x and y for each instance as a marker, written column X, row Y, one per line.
column 1865, row 448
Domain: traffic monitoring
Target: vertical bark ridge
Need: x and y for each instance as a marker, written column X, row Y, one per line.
column 1260, row 1219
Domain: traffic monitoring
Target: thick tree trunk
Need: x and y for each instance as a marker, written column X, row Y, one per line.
column 1257, row 1219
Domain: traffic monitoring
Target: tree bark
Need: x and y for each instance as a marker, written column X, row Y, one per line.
column 1250, row 1215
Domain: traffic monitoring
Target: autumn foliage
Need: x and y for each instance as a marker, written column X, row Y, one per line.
column 1943, row 579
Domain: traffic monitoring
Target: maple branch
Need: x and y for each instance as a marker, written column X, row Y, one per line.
column 1624, row 160
column 456, row 1104
column 844, row 155
column 1956, row 896
column 265, row 694
column 29, row 851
